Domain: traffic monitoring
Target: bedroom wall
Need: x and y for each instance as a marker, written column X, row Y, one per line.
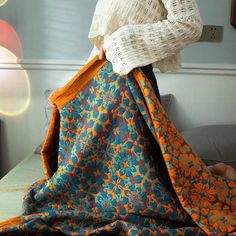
column 204, row 90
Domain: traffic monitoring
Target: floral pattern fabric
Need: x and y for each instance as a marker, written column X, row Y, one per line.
column 116, row 165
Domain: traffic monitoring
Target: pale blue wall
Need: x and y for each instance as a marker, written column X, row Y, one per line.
column 51, row 29
column 214, row 12
column 58, row 29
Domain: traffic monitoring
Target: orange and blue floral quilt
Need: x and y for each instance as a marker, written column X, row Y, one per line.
column 115, row 165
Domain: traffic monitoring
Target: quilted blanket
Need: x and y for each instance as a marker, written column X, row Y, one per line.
column 115, row 165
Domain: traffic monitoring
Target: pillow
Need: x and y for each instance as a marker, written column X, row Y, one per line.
column 213, row 143
column 165, row 100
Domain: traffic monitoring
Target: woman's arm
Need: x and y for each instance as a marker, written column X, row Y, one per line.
column 132, row 46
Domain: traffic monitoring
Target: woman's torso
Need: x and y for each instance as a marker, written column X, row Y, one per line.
column 110, row 15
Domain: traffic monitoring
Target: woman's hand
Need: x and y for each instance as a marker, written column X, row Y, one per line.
column 102, row 53
column 223, row 170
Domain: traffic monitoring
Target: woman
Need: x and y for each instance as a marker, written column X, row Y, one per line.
column 143, row 33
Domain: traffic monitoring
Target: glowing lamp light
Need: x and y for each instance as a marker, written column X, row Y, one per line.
column 9, row 39
column 2, row 2
column 14, row 83
column 14, row 86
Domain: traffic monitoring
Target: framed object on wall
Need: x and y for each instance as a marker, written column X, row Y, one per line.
column 233, row 13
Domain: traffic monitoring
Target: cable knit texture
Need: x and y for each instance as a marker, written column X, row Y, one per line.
column 140, row 32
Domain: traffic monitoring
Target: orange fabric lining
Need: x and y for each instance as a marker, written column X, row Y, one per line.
column 78, row 82
column 49, row 153
column 15, row 221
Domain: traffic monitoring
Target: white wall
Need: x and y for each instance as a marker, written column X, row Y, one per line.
column 201, row 97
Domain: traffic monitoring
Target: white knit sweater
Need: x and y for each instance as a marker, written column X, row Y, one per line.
column 140, row 32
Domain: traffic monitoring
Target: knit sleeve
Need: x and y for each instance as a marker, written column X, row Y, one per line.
column 138, row 45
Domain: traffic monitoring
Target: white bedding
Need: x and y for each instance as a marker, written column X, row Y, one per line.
column 12, row 185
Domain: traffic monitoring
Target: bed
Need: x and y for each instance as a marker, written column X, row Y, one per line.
column 12, row 185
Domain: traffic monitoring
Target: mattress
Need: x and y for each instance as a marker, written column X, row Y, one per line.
column 12, row 185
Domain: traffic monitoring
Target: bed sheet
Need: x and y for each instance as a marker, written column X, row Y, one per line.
column 12, row 185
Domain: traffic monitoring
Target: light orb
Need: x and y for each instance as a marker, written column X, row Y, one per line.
column 15, row 89
column 2, row 2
